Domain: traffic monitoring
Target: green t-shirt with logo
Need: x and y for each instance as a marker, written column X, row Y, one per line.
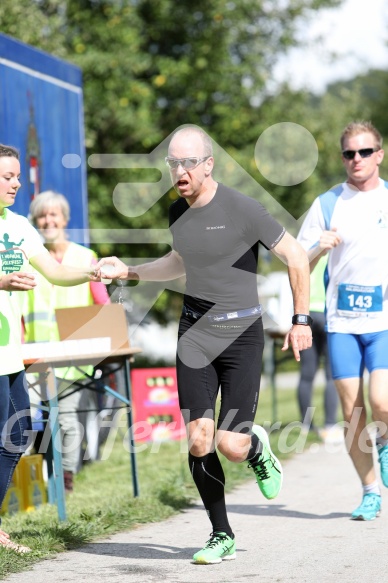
column 19, row 241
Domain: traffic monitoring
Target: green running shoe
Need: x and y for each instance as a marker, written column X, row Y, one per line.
column 267, row 468
column 220, row 547
column 383, row 460
column 369, row 508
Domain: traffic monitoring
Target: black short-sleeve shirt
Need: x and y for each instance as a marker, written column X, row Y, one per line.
column 219, row 247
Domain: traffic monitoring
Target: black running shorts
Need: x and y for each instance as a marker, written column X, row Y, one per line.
column 225, row 358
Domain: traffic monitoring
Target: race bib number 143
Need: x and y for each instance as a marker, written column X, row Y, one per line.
column 355, row 300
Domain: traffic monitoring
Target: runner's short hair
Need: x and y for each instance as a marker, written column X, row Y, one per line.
column 361, row 127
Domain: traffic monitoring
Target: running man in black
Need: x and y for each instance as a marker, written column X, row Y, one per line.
column 216, row 232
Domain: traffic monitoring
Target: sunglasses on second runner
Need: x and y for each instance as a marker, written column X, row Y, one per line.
column 364, row 153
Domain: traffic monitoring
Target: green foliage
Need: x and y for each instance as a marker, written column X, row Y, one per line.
column 324, row 118
column 30, row 22
column 149, row 67
column 371, row 92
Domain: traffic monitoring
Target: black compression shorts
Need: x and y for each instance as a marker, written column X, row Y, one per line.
column 221, row 357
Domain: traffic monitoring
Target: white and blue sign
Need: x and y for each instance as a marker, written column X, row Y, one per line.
column 359, row 299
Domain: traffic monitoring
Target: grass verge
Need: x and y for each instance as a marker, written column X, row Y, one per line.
column 103, row 503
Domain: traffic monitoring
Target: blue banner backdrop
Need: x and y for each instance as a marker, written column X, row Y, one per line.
column 41, row 113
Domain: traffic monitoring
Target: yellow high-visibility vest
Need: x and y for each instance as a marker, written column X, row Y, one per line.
column 317, row 286
column 41, row 302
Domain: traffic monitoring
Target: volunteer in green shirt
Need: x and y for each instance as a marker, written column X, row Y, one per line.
column 20, row 247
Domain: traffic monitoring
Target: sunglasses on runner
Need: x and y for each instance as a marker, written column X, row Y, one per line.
column 186, row 163
column 364, row 153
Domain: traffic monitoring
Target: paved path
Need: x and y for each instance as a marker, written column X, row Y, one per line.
column 305, row 535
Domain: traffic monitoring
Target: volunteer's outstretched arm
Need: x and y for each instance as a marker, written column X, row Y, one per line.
column 59, row 274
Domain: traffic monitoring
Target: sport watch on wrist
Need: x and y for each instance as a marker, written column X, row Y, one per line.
column 302, row 319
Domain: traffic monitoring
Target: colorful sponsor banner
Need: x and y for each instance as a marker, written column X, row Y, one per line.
column 156, row 412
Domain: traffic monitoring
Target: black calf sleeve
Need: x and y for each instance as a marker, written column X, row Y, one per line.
column 209, row 478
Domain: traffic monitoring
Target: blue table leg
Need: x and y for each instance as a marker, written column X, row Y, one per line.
column 56, row 487
column 132, row 454
column 117, row 395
